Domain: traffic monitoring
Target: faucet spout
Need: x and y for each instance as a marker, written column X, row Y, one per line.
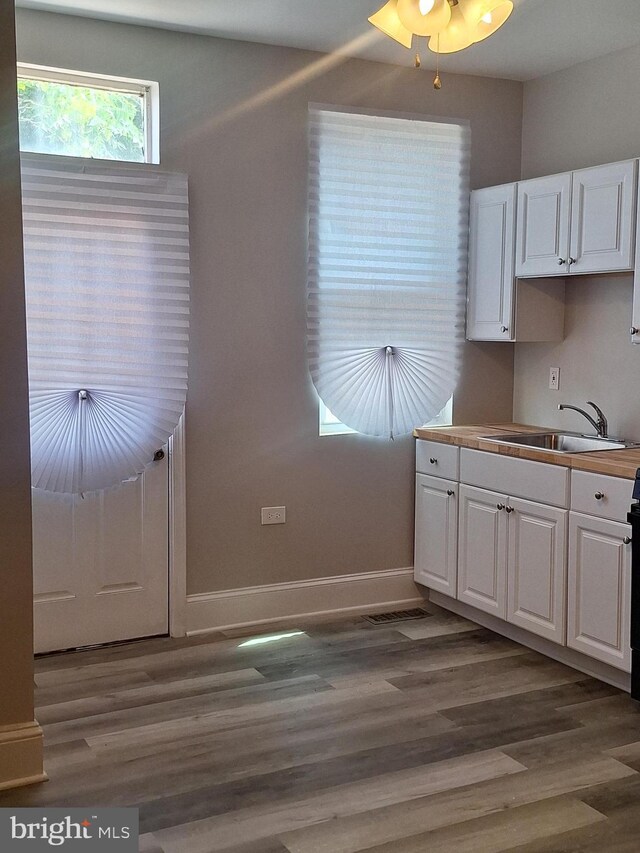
column 600, row 425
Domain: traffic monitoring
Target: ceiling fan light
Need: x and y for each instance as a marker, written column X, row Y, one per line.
column 493, row 19
column 487, row 15
column 388, row 22
column 437, row 17
column 456, row 36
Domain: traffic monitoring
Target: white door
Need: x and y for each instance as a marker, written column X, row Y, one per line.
column 482, row 550
column 603, row 218
column 542, row 239
column 491, row 264
column 599, row 597
column 537, row 568
column 436, row 544
column 101, row 563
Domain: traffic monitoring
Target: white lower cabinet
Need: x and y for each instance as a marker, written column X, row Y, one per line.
column 511, row 560
column 536, row 568
column 599, row 589
column 482, row 550
column 560, row 570
column 436, row 542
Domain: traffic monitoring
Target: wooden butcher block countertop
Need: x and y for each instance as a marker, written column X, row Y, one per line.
column 614, row 463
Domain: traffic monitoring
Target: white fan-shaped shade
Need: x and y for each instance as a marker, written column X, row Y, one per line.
column 387, row 266
column 107, row 285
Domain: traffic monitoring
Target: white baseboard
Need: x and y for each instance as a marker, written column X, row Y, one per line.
column 285, row 602
column 563, row 654
column 21, row 756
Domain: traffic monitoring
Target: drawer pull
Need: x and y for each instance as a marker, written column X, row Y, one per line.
column 509, row 509
column 433, row 460
column 599, row 496
column 626, row 540
column 450, row 492
column 500, row 507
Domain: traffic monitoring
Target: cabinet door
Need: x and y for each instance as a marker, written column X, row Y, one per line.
column 491, row 264
column 635, row 323
column 542, row 240
column 482, row 550
column 436, row 542
column 599, row 590
column 537, row 568
column 603, row 218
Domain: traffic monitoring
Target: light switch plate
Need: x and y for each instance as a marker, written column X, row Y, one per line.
column 554, row 378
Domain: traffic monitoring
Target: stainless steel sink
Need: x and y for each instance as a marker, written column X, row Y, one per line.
column 561, row 442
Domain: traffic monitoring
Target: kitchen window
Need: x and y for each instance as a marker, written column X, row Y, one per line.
column 388, row 232
column 74, row 114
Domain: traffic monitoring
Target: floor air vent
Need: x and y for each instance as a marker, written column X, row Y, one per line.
column 396, row 616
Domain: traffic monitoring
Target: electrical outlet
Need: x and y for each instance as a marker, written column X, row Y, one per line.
column 554, row 378
column 274, row 514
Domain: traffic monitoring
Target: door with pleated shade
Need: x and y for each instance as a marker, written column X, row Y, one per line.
column 106, row 248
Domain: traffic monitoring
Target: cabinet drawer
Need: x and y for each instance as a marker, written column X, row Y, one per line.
column 438, row 460
column 520, row 478
column 615, row 495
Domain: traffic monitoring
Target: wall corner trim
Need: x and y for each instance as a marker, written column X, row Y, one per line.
column 389, row 589
column 21, row 755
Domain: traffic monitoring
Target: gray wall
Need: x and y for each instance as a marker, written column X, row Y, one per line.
column 16, row 601
column 234, row 117
column 580, row 117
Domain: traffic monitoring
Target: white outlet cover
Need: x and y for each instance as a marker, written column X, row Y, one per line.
column 274, row 515
column 554, row 378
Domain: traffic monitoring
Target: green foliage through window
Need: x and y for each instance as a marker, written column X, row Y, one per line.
column 80, row 121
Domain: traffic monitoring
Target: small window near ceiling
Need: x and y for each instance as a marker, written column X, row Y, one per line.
column 330, row 425
column 81, row 115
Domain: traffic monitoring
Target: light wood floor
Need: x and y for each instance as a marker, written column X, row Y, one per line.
column 434, row 735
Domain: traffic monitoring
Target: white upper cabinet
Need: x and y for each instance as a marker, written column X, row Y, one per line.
column 499, row 308
column 542, row 242
column 603, row 218
column 491, row 270
column 635, row 322
column 577, row 222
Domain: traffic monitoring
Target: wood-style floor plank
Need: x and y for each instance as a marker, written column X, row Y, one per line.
column 434, row 734
column 329, row 805
column 501, row 831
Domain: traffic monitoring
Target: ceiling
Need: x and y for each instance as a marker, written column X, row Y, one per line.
column 542, row 36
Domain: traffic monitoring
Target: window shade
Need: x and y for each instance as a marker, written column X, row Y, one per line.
column 388, row 226
column 107, row 292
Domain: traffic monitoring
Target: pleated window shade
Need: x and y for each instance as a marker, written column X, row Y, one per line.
column 388, row 230
column 107, row 291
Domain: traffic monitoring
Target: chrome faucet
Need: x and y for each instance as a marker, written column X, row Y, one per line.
column 601, row 426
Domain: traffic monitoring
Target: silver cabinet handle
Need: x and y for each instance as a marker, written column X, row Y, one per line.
column 572, row 261
column 509, row 509
column 433, row 460
column 627, row 540
column 500, row 507
column 561, row 262
column 599, row 496
column 634, row 330
column 450, row 492
column 505, row 329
